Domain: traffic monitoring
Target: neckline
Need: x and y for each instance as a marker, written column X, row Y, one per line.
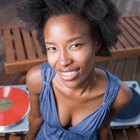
column 93, row 112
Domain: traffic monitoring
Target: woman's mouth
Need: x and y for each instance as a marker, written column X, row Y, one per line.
column 69, row 75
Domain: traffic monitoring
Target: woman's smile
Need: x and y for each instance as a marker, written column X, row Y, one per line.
column 69, row 75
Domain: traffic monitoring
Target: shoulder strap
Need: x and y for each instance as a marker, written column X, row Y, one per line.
column 112, row 88
column 47, row 72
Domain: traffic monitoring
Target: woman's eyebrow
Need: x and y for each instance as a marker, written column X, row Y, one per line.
column 50, row 43
column 68, row 41
column 73, row 39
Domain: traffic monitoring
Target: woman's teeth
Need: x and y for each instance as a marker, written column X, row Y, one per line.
column 68, row 73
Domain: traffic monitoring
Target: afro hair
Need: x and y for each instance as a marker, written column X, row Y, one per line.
column 101, row 14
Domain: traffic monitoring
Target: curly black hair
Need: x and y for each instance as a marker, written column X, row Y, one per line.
column 102, row 16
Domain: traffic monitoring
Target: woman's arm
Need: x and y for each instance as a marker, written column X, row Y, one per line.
column 123, row 98
column 34, row 83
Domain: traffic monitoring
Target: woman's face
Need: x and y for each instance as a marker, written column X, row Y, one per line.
column 70, row 49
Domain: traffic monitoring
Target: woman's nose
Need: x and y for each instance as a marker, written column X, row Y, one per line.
column 64, row 59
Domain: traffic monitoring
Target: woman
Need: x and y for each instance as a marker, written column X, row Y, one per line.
column 70, row 98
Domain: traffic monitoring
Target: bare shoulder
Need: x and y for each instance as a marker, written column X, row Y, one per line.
column 34, row 80
column 124, row 96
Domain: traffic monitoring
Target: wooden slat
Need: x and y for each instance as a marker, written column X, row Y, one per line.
column 130, row 30
column 22, row 66
column 136, row 72
column 119, row 68
column 18, row 44
column 124, row 43
column 111, row 65
column 36, row 43
column 136, row 20
column 113, row 48
column 10, row 57
column 14, row 138
column 101, row 65
column 111, row 137
column 128, row 69
column 133, row 134
column 120, row 134
column 133, row 25
column 2, row 138
column 128, row 37
column 138, row 130
column 28, row 45
column 119, row 46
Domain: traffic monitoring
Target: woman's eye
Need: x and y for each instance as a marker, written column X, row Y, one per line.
column 51, row 49
column 75, row 45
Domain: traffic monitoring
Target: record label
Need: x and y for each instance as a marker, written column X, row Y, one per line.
column 14, row 105
column 5, row 104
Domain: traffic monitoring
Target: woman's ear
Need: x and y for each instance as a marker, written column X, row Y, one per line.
column 98, row 44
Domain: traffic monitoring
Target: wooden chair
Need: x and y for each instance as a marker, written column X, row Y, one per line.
column 23, row 52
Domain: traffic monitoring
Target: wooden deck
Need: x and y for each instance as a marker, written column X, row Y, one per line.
column 126, row 69
column 123, row 134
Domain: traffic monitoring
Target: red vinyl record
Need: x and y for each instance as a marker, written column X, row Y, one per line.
column 14, row 105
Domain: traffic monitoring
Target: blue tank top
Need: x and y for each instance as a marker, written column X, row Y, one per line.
column 87, row 129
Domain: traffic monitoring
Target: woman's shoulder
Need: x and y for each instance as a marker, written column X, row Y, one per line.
column 123, row 92
column 124, row 96
column 34, row 79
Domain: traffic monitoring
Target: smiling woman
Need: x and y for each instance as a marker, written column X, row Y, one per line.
column 72, row 55
column 70, row 98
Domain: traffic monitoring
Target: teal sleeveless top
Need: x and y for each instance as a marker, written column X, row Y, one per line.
column 87, row 129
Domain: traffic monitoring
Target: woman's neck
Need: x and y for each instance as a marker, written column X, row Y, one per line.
column 82, row 90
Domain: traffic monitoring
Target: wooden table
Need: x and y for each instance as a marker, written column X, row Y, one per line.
column 23, row 52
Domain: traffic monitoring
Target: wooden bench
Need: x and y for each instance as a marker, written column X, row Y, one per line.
column 131, row 133
column 23, row 52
